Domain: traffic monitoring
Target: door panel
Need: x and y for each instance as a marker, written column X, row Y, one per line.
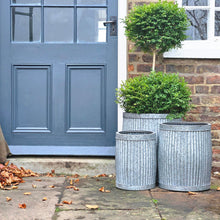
column 58, row 74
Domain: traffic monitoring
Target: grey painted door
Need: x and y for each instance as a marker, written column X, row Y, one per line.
column 58, row 74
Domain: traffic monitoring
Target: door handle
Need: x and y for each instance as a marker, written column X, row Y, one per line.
column 113, row 25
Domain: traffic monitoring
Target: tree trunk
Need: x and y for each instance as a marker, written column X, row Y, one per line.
column 154, row 60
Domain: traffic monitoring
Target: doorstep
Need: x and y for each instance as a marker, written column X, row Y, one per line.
column 66, row 165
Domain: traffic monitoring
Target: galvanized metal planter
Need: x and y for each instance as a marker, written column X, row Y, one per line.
column 185, row 156
column 135, row 159
column 144, row 122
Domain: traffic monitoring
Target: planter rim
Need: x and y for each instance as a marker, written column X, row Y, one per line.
column 135, row 135
column 146, row 115
column 185, row 126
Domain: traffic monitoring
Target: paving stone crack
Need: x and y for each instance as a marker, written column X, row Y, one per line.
column 156, row 205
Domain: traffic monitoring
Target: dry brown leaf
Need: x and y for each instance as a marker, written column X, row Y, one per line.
column 192, row 193
column 14, row 187
column 69, row 187
column 218, row 189
column 53, row 171
column 27, row 193
column 75, row 188
column 59, row 204
column 92, row 206
column 22, row 206
column 52, row 186
column 86, row 176
column 8, row 199
column 6, row 164
column 76, row 181
column 44, row 199
column 39, row 180
column 107, row 191
column 102, row 189
column 34, row 186
column 67, row 202
column 76, row 175
column 71, row 182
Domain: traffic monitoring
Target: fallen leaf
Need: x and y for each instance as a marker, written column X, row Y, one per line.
column 67, row 202
column 39, row 180
column 27, row 193
column 6, row 164
column 75, row 188
column 14, row 187
column 44, row 199
column 59, row 204
column 102, row 189
column 53, row 171
column 192, row 193
column 86, row 176
column 92, row 206
column 8, row 199
column 76, row 175
column 107, row 191
column 76, row 181
column 52, row 186
column 34, row 186
column 218, row 189
column 22, row 206
column 71, row 182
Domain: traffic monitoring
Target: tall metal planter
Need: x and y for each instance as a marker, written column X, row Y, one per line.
column 144, row 122
column 136, row 161
column 185, row 156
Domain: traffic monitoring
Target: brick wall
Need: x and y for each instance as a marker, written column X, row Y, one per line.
column 202, row 75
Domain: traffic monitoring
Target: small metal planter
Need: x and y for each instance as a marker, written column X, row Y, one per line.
column 135, row 159
column 185, row 156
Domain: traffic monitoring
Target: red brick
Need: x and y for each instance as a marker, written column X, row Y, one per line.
column 215, row 135
column 215, row 90
column 216, row 126
column 195, row 100
column 202, row 89
column 215, row 143
column 130, row 67
column 134, row 75
column 215, row 151
column 215, row 109
column 210, row 100
column 208, row 69
column 144, row 68
column 159, row 68
column 190, row 117
column 180, row 68
column 198, row 110
column 192, row 88
column 147, row 58
column 133, row 58
column 194, row 79
column 209, row 118
column 213, row 79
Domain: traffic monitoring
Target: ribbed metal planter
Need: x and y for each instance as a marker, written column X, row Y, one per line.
column 143, row 122
column 135, row 159
column 185, row 156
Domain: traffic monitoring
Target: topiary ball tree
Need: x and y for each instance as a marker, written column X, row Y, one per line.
column 156, row 27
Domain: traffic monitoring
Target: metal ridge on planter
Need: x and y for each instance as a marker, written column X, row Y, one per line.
column 146, row 115
column 133, row 135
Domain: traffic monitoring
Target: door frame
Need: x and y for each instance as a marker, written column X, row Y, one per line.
column 122, row 52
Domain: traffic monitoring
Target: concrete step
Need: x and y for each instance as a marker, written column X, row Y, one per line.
column 66, row 165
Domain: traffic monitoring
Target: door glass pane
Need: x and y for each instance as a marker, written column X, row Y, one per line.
column 217, row 23
column 58, row 2
column 91, row 2
column 198, row 28
column 26, row 2
column 90, row 26
column 26, row 24
column 58, row 24
column 195, row 2
column 217, row 3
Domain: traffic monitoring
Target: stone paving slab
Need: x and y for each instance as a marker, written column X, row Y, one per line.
column 139, row 214
column 180, row 205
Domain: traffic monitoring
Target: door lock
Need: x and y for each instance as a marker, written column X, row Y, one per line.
column 113, row 25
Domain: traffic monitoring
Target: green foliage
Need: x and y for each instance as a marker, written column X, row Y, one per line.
column 157, row 27
column 158, row 93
